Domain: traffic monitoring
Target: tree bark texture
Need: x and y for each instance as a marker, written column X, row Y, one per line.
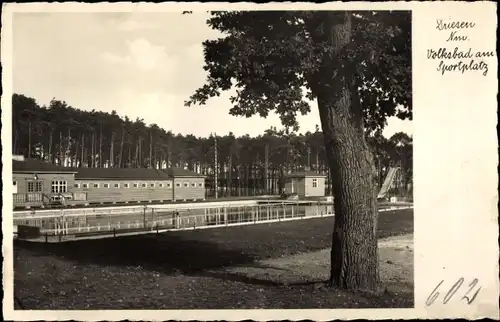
column 354, row 255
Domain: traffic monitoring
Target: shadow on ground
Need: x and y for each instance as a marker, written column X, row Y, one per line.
column 236, row 277
column 164, row 253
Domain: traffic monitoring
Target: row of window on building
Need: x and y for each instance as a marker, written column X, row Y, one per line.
column 136, row 185
column 59, row 186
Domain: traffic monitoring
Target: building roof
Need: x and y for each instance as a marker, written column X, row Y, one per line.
column 178, row 172
column 34, row 165
column 305, row 174
column 39, row 166
column 120, row 174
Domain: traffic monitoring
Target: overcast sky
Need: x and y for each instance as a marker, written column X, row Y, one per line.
column 140, row 64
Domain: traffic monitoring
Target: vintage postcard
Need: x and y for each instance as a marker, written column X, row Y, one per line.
column 240, row 161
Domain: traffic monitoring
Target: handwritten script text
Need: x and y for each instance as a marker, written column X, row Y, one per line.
column 459, row 58
column 468, row 293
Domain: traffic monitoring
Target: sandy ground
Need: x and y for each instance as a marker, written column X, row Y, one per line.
column 395, row 255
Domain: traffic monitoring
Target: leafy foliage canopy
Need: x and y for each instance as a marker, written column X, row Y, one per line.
column 277, row 59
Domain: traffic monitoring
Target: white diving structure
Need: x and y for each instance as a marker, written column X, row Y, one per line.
column 389, row 179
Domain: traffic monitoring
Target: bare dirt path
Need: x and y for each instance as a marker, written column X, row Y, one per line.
column 395, row 256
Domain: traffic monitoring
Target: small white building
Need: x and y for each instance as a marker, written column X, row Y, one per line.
column 306, row 184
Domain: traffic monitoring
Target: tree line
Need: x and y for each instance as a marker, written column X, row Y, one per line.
column 64, row 135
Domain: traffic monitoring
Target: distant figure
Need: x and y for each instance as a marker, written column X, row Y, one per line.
column 176, row 219
column 283, row 193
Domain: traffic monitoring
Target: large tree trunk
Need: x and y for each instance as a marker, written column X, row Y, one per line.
column 354, row 255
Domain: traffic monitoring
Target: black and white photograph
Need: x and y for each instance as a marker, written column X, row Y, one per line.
column 208, row 159
column 221, row 160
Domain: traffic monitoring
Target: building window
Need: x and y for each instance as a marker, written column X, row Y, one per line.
column 59, row 186
column 14, row 183
column 144, row 185
column 106, row 185
column 117, row 185
column 193, row 185
column 178, row 184
column 77, row 185
column 169, row 185
column 96, row 185
column 152, row 185
column 160, row 185
column 136, row 185
column 186, row 184
column 200, row 185
column 315, row 183
column 85, row 185
column 126, row 185
column 35, row 186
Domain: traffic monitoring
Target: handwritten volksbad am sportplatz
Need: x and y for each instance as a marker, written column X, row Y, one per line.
column 460, row 57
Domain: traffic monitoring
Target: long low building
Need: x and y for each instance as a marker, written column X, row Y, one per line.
column 37, row 184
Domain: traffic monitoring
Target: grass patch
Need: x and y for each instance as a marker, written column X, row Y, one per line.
column 185, row 269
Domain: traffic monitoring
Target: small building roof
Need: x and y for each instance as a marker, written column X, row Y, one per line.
column 305, row 174
column 34, row 165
